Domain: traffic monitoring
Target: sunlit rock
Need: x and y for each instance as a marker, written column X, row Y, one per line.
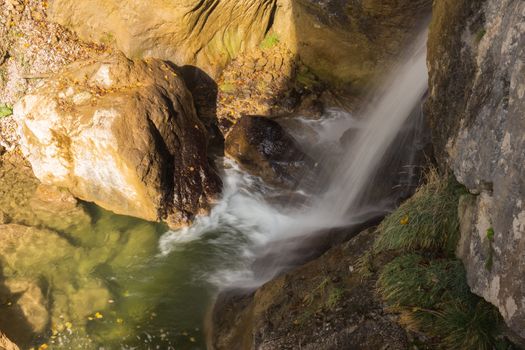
column 31, row 302
column 123, row 134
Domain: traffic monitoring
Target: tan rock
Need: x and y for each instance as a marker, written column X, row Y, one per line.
column 123, row 134
column 7, row 344
column 203, row 33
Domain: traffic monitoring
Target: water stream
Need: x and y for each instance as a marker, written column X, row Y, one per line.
column 156, row 286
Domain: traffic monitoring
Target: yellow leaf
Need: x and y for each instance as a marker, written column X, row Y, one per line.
column 404, row 220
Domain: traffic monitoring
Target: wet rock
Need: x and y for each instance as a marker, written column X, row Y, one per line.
column 265, row 149
column 31, row 302
column 123, row 134
column 476, row 104
column 321, row 305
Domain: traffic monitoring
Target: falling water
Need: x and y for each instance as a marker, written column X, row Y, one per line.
column 273, row 235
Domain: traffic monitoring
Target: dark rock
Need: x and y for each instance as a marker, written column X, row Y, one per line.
column 265, row 149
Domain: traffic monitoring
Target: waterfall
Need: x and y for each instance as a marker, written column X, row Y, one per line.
column 262, row 238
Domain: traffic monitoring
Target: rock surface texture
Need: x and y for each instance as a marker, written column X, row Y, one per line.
column 325, row 304
column 123, row 134
column 204, row 33
column 265, row 149
column 476, row 106
column 209, row 33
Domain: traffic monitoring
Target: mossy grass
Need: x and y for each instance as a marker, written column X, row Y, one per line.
column 427, row 221
column 423, row 281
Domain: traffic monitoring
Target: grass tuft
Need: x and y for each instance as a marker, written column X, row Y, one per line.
column 426, row 284
column 427, row 221
column 271, row 40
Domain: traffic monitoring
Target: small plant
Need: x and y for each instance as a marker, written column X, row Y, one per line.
column 5, row 110
column 427, row 221
column 334, row 297
column 490, row 250
column 433, row 297
column 271, row 40
column 480, row 34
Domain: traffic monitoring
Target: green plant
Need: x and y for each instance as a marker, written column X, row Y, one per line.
column 480, row 34
column 334, row 297
column 5, row 110
column 427, row 221
column 433, row 297
column 270, row 40
column 415, row 282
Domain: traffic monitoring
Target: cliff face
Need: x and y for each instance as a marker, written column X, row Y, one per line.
column 476, row 104
column 344, row 41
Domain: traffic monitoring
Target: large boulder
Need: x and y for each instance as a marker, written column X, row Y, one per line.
column 123, row 134
column 265, row 149
column 476, row 103
column 204, row 33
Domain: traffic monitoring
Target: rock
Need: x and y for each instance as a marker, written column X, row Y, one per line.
column 7, row 344
column 31, row 302
column 321, row 305
column 205, row 33
column 351, row 42
column 123, row 134
column 57, row 209
column 210, row 33
column 265, row 149
column 476, row 104
column 26, row 250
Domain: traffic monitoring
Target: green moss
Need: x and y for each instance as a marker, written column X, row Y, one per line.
column 490, row 250
column 5, row 110
column 271, row 40
column 480, row 34
column 433, row 297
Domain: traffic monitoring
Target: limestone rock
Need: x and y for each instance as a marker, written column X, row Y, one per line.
column 265, row 149
column 188, row 32
column 476, row 104
column 123, row 134
column 209, row 33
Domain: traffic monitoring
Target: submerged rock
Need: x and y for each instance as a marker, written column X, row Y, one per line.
column 476, row 106
column 123, row 134
column 265, row 149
